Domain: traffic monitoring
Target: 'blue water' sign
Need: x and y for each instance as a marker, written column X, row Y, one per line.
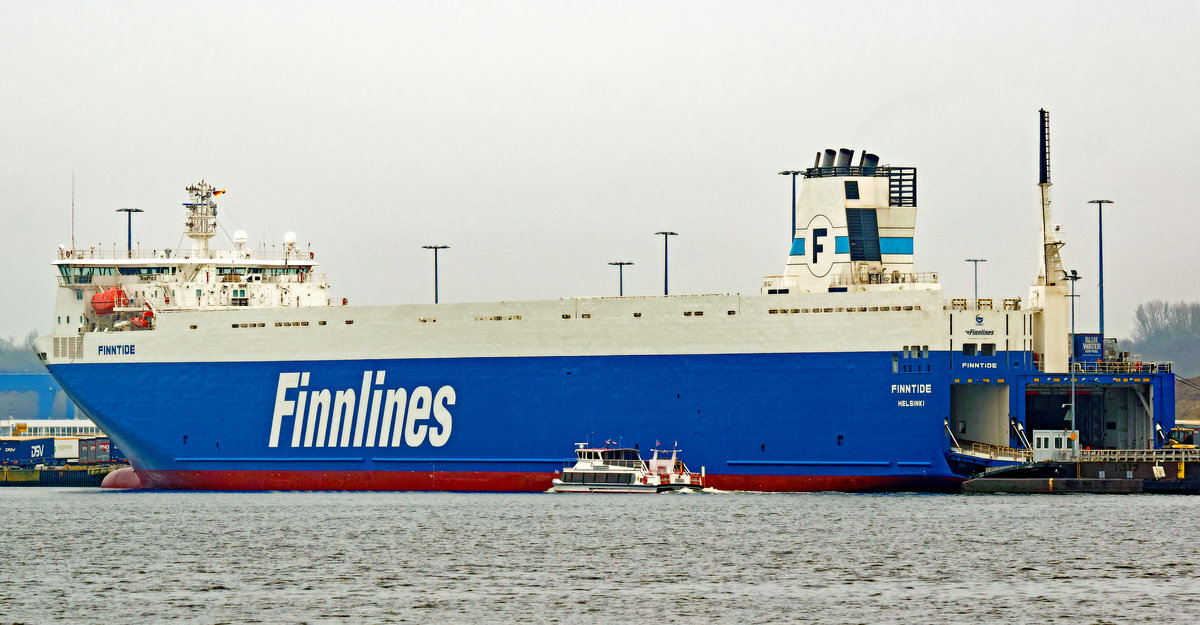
column 1089, row 347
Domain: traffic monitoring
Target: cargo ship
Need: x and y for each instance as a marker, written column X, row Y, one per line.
column 850, row 371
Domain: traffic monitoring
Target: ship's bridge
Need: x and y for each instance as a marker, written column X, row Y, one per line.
column 124, row 290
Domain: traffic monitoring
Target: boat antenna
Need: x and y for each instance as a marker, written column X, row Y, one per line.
column 72, row 211
column 1051, row 261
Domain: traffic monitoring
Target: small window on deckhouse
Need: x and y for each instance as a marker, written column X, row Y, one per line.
column 851, row 189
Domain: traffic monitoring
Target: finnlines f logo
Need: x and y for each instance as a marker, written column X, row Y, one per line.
column 388, row 418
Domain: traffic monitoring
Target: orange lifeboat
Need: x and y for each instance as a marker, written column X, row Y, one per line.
column 144, row 320
column 104, row 303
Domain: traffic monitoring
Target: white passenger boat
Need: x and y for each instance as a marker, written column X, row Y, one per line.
column 622, row 470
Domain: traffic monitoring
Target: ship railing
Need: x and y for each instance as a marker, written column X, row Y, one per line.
column 884, row 277
column 995, row 452
column 877, row 171
column 1166, row 454
column 305, row 278
column 1121, row 366
column 165, row 254
column 624, row 464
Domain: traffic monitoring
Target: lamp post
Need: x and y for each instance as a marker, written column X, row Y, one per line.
column 665, row 235
column 435, row 249
column 1100, row 275
column 793, row 174
column 976, row 261
column 621, row 275
column 1073, row 277
column 129, row 227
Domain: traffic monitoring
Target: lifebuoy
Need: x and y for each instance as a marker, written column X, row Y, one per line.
column 167, row 299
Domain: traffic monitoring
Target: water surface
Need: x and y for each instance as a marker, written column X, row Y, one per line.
column 93, row 556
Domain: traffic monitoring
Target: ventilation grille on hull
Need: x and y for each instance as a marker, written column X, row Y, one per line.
column 68, row 347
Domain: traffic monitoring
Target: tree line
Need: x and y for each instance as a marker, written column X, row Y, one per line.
column 1169, row 332
column 17, row 355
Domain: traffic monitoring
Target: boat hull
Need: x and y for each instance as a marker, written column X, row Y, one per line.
column 455, row 481
column 769, row 422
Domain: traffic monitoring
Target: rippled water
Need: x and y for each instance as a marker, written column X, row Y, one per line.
column 92, row 556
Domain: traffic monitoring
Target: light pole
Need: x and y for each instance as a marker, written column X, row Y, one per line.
column 621, row 275
column 129, row 226
column 793, row 174
column 1100, row 278
column 976, row 261
column 1073, row 277
column 665, row 235
column 435, row 249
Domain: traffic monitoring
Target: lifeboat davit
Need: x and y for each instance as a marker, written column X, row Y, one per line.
column 104, row 303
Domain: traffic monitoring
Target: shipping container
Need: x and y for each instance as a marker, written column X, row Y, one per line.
column 66, row 449
column 26, row 452
column 115, row 455
column 87, row 451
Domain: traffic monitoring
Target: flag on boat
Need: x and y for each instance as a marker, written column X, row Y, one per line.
column 216, row 193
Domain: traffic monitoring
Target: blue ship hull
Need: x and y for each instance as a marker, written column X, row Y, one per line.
column 754, row 421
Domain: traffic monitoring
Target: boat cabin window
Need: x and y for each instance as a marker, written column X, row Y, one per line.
column 968, row 349
column 144, row 271
column 987, row 349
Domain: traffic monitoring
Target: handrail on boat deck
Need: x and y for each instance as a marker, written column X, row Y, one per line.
column 995, row 452
column 1166, row 454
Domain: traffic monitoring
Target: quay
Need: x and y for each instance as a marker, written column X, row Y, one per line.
column 57, row 476
column 1110, row 471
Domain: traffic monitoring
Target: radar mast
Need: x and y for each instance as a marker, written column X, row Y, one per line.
column 201, row 222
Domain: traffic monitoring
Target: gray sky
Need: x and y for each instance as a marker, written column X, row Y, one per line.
column 542, row 140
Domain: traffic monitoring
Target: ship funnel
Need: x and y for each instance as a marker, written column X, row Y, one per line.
column 869, row 163
column 830, row 157
column 845, row 157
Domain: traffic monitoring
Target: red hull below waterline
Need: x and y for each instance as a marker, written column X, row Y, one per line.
column 467, row 481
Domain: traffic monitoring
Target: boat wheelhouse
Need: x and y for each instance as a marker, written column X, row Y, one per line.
column 622, row 470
